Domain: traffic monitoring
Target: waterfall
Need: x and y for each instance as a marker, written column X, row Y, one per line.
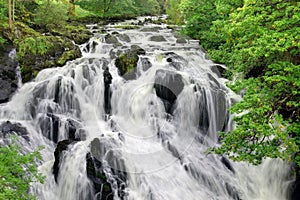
column 150, row 142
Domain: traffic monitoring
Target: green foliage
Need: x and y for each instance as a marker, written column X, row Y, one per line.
column 38, row 45
column 18, row 170
column 121, row 8
column 259, row 42
column 172, row 9
column 147, row 7
column 45, row 14
column 3, row 21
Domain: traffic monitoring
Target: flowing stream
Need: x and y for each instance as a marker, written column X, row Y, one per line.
column 145, row 133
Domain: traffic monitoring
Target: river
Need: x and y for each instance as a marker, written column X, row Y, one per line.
column 142, row 135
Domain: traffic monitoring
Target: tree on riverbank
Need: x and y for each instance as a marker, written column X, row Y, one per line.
column 259, row 43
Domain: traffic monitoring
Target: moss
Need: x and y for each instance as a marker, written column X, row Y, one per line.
column 68, row 55
column 78, row 33
column 40, row 52
column 126, row 62
column 127, row 27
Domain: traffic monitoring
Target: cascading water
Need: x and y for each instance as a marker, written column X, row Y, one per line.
column 150, row 142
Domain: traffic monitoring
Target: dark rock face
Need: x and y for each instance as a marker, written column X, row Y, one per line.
column 8, row 128
column 227, row 164
column 217, row 99
column 168, row 85
column 107, row 92
column 106, row 169
column 60, row 148
column 127, row 62
column 8, row 80
column 50, row 124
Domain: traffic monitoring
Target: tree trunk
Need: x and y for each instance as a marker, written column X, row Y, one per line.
column 10, row 15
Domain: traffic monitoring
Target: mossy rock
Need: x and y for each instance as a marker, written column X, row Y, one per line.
column 69, row 55
column 79, row 33
column 40, row 52
column 127, row 61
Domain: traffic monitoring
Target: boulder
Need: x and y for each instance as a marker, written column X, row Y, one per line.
column 123, row 37
column 8, row 79
column 146, row 64
column 168, row 85
column 157, row 38
column 175, row 60
column 9, row 128
column 112, row 39
column 127, row 62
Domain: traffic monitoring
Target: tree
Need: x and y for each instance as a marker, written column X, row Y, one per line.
column 10, row 20
column 260, row 44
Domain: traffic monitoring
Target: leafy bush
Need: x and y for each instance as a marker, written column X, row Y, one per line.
column 51, row 13
column 38, row 45
column 17, row 172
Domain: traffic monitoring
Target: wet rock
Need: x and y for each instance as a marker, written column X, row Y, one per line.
column 219, row 99
column 227, row 164
column 9, row 128
column 8, row 79
column 106, row 169
column 157, row 38
column 123, row 37
column 146, row 64
column 175, row 60
column 203, row 115
column 181, row 41
column 218, row 69
column 214, row 83
column 127, row 62
column 91, row 47
column 112, row 39
column 168, row 85
column 216, row 98
column 50, row 126
column 107, row 92
column 151, row 29
column 60, row 148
